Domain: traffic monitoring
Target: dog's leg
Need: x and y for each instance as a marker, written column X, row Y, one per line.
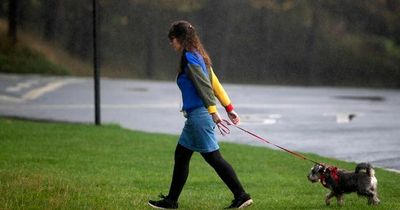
column 340, row 199
column 328, row 198
column 370, row 200
column 374, row 199
column 371, row 195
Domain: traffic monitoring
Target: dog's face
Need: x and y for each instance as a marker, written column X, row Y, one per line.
column 315, row 173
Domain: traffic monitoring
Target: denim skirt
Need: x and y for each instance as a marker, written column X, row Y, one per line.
column 198, row 134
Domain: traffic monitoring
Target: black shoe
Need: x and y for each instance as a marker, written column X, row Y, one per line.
column 241, row 202
column 164, row 203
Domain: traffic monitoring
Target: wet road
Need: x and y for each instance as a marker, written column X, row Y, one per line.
column 345, row 123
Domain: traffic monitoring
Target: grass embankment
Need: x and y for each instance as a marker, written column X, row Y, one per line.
column 67, row 166
column 21, row 59
column 35, row 55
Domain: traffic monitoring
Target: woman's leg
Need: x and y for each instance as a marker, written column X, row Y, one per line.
column 225, row 172
column 181, row 171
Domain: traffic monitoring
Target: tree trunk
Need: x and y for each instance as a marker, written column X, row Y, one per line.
column 50, row 18
column 2, row 12
column 226, row 23
column 265, row 50
column 12, row 20
column 310, row 45
column 151, row 45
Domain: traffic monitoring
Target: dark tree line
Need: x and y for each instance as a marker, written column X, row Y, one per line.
column 310, row 42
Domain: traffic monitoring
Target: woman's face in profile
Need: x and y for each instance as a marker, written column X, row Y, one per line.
column 175, row 44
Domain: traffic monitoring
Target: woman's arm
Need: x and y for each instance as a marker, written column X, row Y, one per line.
column 223, row 97
column 220, row 92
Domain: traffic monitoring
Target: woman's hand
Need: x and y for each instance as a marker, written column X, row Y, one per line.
column 234, row 117
column 216, row 117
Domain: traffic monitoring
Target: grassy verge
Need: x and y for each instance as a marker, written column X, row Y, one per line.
column 22, row 59
column 67, row 166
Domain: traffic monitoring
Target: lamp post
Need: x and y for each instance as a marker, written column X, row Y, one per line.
column 96, row 65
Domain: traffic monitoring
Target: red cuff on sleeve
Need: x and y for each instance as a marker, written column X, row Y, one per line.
column 229, row 108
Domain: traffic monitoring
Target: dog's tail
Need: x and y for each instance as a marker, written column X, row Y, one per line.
column 367, row 167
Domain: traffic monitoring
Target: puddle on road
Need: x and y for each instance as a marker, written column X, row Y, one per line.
column 137, row 89
column 361, row 98
column 342, row 118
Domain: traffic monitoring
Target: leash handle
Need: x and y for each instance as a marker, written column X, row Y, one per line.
column 223, row 129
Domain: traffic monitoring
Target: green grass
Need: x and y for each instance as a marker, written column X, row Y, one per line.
column 70, row 166
column 22, row 59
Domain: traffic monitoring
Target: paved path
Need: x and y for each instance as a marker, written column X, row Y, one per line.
column 344, row 123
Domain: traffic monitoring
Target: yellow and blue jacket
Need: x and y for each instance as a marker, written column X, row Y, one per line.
column 199, row 85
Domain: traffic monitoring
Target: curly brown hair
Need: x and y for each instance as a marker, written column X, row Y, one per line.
column 186, row 34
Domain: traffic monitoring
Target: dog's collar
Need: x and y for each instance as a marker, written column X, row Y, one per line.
column 333, row 174
column 322, row 180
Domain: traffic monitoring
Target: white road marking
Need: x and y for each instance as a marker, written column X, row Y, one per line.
column 22, row 85
column 10, row 99
column 52, row 86
column 34, row 93
column 268, row 119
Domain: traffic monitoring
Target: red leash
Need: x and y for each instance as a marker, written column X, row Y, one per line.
column 225, row 130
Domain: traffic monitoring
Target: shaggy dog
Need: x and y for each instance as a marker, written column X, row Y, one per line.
column 362, row 181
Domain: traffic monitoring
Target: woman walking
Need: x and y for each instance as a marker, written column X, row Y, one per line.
column 199, row 87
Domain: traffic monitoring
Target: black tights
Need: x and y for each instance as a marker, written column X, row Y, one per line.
column 181, row 171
